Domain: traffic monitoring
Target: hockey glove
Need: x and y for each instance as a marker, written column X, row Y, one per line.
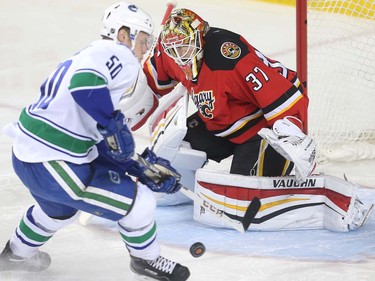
column 288, row 140
column 118, row 138
column 155, row 172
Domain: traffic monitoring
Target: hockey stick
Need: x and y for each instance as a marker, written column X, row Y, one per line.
column 170, row 6
column 241, row 226
column 157, row 172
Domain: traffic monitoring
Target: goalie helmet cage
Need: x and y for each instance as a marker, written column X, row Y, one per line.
column 336, row 60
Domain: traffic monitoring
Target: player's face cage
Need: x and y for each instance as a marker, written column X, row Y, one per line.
column 182, row 40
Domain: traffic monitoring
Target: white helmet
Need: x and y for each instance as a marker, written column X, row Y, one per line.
column 128, row 15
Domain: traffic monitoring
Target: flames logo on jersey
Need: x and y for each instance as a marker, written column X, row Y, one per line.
column 230, row 50
column 204, row 101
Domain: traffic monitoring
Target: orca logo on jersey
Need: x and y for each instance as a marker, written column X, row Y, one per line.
column 230, row 50
column 204, row 101
column 133, row 8
column 114, row 177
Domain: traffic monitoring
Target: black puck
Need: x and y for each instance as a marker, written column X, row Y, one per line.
column 197, row 249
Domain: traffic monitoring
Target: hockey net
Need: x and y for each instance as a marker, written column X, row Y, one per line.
column 339, row 63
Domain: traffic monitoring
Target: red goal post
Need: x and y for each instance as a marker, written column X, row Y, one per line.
column 336, row 60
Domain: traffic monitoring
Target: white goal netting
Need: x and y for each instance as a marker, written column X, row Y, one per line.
column 341, row 78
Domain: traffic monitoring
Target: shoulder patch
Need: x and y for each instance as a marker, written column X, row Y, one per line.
column 230, row 50
column 223, row 49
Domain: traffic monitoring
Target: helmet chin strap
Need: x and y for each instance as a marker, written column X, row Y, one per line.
column 190, row 70
column 197, row 63
column 195, row 66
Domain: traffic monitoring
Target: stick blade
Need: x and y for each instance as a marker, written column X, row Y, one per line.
column 251, row 212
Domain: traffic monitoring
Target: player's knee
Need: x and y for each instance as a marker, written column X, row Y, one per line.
column 51, row 223
column 63, row 217
column 143, row 210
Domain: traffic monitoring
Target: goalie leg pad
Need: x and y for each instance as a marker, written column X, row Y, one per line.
column 167, row 131
column 344, row 211
column 138, row 104
column 287, row 204
column 186, row 162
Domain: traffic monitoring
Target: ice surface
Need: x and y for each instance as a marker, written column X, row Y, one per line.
column 37, row 34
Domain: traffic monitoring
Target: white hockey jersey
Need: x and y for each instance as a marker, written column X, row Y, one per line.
column 81, row 92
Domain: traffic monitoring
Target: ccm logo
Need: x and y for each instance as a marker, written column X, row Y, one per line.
column 212, row 208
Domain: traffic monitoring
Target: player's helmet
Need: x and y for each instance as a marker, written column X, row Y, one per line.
column 182, row 40
column 128, row 15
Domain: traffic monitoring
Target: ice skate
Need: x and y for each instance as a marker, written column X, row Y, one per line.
column 360, row 214
column 9, row 261
column 159, row 269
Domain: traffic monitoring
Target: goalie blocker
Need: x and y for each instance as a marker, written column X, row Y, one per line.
column 318, row 202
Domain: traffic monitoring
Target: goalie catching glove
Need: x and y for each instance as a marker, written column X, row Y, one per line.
column 155, row 172
column 288, row 140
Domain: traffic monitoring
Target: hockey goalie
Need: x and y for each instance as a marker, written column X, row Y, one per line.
column 299, row 201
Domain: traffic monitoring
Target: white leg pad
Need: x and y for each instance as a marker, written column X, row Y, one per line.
column 139, row 103
column 186, row 162
column 351, row 214
column 167, row 130
column 316, row 203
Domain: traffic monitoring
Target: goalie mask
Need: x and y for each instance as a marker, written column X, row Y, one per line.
column 182, row 40
column 125, row 14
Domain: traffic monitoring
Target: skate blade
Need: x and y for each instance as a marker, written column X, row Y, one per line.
column 367, row 216
column 142, row 277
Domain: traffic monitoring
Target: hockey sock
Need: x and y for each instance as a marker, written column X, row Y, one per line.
column 34, row 229
column 142, row 242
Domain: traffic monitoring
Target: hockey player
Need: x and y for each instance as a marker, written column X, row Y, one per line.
column 237, row 91
column 250, row 107
column 73, row 148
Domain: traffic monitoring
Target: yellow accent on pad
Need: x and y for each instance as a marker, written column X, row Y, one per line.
column 262, row 208
column 287, row 163
column 226, row 205
column 279, row 202
column 260, row 169
column 161, row 125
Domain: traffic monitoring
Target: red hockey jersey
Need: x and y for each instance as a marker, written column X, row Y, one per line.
column 238, row 90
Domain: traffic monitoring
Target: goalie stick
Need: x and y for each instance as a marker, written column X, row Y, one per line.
column 242, row 225
column 157, row 172
column 170, row 6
